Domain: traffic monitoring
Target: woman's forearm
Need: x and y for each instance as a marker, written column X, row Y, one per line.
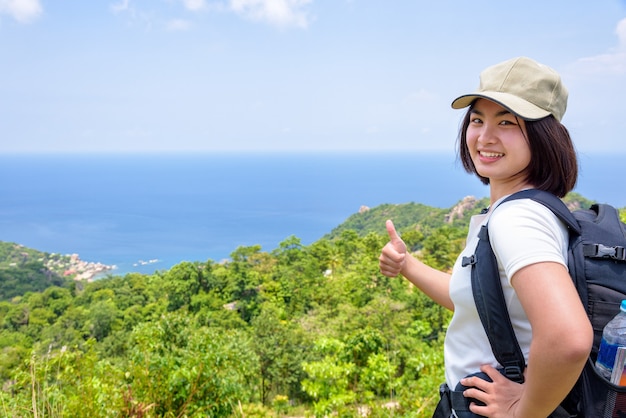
column 434, row 283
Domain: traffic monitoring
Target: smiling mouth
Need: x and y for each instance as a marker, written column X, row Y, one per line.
column 491, row 154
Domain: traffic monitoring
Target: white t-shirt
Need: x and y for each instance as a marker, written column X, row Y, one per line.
column 522, row 232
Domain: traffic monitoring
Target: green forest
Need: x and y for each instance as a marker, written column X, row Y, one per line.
column 299, row 331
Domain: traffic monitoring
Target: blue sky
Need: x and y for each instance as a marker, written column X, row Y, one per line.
column 290, row 75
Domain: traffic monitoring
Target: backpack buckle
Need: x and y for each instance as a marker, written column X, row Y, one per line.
column 602, row 251
column 620, row 253
column 514, row 373
column 468, row 261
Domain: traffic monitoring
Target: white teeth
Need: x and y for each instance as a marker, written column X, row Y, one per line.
column 491, row 154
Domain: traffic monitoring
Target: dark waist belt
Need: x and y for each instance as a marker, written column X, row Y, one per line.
column 451, row 400
column 458, row 402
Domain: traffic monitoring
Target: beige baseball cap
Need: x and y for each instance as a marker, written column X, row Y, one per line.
column 523, row 86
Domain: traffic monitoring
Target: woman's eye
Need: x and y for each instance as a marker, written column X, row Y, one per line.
column 475, row 120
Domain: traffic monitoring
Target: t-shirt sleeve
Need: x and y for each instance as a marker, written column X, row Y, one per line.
column 524, row 232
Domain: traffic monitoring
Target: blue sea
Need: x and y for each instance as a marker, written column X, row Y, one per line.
column 149, row 212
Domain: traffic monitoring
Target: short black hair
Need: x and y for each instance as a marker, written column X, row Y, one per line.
column 553, row 163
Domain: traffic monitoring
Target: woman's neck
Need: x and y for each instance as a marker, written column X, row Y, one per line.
column 499, row 190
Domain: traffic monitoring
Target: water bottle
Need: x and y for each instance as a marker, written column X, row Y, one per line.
column 613, row 336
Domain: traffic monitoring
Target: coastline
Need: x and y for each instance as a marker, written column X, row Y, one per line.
column 72, row 266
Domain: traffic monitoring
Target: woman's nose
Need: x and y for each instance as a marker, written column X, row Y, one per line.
column 487, row 134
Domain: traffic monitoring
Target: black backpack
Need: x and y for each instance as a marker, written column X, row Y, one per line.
column 597, row 265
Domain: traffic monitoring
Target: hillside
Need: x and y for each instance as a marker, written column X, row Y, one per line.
column 408, row 216
column 310, row 330
column 27, row 270
column 411, row 216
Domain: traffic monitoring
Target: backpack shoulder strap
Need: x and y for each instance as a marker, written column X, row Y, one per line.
column 492, row 310
column 488, row 293
column 553, row 203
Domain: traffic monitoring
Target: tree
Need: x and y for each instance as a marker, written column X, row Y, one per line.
column 328, row 378
column 442, row 247
column 182, row 282
column 295, row 278
column 104, row 317
column 245, row 275
column 281, row 348
column 185, row 370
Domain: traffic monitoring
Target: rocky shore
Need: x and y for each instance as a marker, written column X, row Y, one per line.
column 72, row 266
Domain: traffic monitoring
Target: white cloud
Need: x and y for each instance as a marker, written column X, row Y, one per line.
column 621, row 33
column 24, row 11
column 121, row 6
column 612, row 62
column 135, row 16
column 608, row 64
column 274, row 12
column 194, row 5
column 282, row 13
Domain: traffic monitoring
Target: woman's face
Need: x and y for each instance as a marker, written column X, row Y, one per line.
column 496, row 141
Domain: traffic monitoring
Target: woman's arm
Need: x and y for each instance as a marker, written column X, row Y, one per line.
column 395, row 260
column 562, row 335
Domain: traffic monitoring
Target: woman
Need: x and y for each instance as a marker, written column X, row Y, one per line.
column 512, row 139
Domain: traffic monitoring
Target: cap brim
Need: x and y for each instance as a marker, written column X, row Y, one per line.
column 514, row 104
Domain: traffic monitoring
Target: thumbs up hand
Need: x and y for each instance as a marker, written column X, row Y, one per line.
column 393, row 255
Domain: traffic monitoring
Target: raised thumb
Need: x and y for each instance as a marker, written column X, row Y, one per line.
column 393, row 234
